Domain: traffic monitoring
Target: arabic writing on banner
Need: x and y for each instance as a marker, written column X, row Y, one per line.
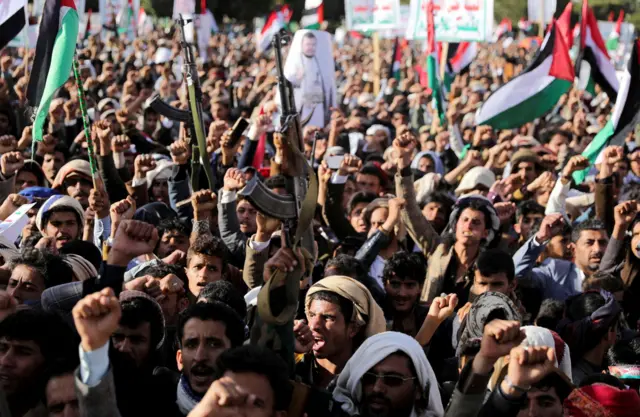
column 455, row 20
column 401, row 28
column 363, row 15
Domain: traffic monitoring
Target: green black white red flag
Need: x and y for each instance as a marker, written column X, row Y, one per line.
column 54, row 55
column 534, row 92
column 625, row 115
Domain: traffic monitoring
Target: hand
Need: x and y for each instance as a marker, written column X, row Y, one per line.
column 47, row 243
column 8, row 304
column 11, row 204
column 351, row 164
column 103, row 129
column 551, row 226
column 505, row 212
column 528, row 365
column 266, row 226
column 70, row 109
column 26, row 138
column 96, row 317
column 203, row 203
column 233, row 180
column 146, row 284
column 304, row 339
column 224, row 398
column 481, row 133
column 576, row 163
column 99, row 202
column 48, row 143
column 175, row 257
column 120, row 144
column 145, row 93
column 472, row 159
column 283, row 260
column 499, row 337
column 10, row 163
column 442, row 307
column 180, row 153
column 611, row 155
column 324, row 173
column 143, row 164
column 121, row 210
column 624, row 213
column 8, row 143
column 133, row 238
column 395, row 207
column 337, row 124
column 405, row 145
column 170, row 284
column 544, row 182
column 263, row 123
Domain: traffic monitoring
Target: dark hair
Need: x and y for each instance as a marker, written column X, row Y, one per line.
column 405, row 266
column 630, row 192
column 553, row 380
column 87, row 250
column 370, row 169
column 234, row 326
column 625, row 352
column 554, row 132
column 139, row 310
column 56, row 340
column 496, row 261
column 480, row 205
column 60, row 148
column 603, row 281
column 161, row 270
column 528, row 207
column 359, row 197
column 210, row 246
column 581, row 306
column 346, row 306
column 440, row 198
column 346, row 265
column 277, row 181
column 167, row 225
column 261, row 361
column 226, row 293
column 53, row 269
column 550, row 314
column 61, row 209
column 591, row 224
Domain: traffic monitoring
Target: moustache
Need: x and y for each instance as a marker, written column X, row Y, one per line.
column 202, row 370
column 377, row 397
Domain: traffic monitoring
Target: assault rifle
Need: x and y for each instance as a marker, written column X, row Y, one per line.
column 193, row 116
column 297, row 208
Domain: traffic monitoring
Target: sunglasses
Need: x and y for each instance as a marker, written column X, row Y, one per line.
column 371, row 378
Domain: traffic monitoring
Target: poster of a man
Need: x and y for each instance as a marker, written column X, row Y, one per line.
column 311, row 70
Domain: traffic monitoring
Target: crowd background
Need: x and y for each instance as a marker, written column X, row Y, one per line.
column 488, row 284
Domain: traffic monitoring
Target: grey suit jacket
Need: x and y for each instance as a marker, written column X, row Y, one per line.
column 98, row 401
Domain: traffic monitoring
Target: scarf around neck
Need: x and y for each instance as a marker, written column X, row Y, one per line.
column 186, row 398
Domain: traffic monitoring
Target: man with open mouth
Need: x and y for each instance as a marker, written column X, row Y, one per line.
column 61, row 217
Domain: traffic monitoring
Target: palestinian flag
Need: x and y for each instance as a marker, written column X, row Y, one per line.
column 12, row 20
column 534, row 92
column 465, row 54
column 432, row 65
column 126, row 21
column 145, row 24
column 278, row 19
column 625, row 116
column 87, row 29
column 564, row 25
column 313, row 14
column 612, row 42
column 525, row 25
column 396, row 64
column 593, row 51
column 504, row 28
column 54, row 54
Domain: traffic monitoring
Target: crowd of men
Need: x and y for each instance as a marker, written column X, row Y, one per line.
column 442, row 283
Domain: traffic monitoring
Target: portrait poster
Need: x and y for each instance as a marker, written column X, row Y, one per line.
column 310, row 68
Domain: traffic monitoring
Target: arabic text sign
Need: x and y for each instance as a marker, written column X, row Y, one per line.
column 372, row 14
column 455, row 20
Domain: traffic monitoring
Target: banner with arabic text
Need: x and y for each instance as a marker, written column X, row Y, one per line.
column 455, row 20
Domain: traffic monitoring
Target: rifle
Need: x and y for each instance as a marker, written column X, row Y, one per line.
column 193, row 116
column 296, row 209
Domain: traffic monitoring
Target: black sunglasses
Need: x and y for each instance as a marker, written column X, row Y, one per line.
column 370, row 378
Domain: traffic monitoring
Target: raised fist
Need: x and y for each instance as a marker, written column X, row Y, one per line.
column 122, row 210
column 99, row 202
column 120, row 144
column 351, row 164
column 133, row 238
column 143, row 164
column 10, row 163
column 234, row 180
column 8, row 143
column 96, row 317
column 180, row 152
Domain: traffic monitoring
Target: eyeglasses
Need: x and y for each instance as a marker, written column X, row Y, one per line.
column 371, row 378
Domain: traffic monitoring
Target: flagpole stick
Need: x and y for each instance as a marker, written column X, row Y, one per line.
column 443, row 59
column 95, row 175
column 542, row 19
column 376, row 64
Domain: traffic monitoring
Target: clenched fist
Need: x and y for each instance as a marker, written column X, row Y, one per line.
column 96, row 317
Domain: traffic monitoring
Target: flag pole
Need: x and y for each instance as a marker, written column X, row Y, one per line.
column 95, row 175
column 542, row 19
column 376, row 64
column 443, row 60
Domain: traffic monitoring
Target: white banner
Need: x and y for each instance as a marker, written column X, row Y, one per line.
column 455, row 20
column 534, row 8
column 366, row 15
column 401, row 29
column 11, row 228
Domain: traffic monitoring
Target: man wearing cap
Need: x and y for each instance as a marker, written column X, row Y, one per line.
column 74, row 180
column 61, row 217
column 526, row 163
